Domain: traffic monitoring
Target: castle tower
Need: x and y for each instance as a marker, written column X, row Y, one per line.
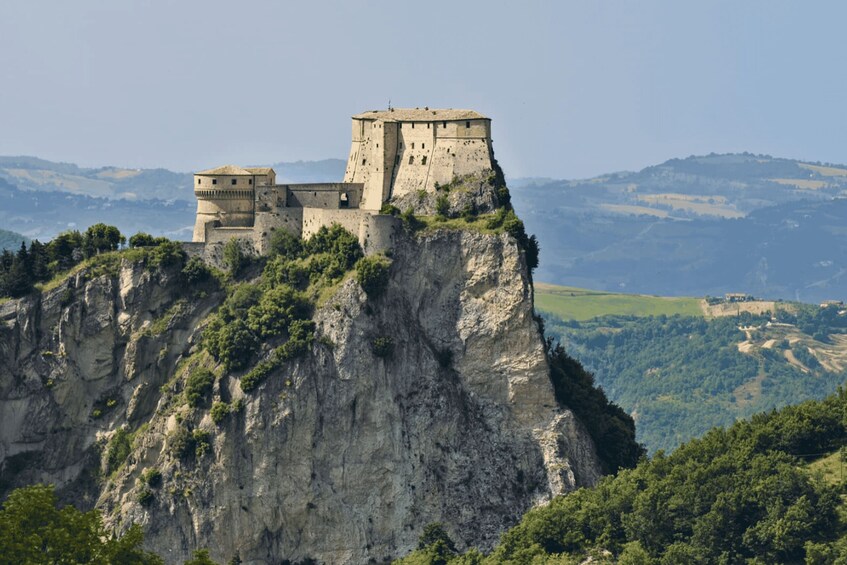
column 226, row 196
column 399, row 151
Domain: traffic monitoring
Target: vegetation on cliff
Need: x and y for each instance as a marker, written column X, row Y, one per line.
column 682, row 375
column 33, row 529
column 743, row 494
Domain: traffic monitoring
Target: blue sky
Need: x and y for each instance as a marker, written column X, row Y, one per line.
column 574, row 88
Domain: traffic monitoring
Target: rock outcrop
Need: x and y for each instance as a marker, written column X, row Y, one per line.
column 341, row 456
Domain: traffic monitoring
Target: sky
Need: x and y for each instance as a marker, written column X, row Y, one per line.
column 574, row 88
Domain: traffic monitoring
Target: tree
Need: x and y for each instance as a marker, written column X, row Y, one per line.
column 100, row 238
column 372, row 273
column 234, row 257
column 63, row 249
column 201, row 557
column 34, row 530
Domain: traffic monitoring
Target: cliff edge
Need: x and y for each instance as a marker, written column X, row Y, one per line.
column 429, row 403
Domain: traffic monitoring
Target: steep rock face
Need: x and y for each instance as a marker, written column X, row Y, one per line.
column 342, row 455
column 75, row 364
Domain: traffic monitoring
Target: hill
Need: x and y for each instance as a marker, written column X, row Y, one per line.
column 697, row 226
column 11, row 240
column 680, row 374
column 116, row 183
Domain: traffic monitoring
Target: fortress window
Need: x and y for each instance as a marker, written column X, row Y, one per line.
column 413, row 145
column 234, row 182
column 411, row 159
column 423, row 160
column 427, row 125
column 214, row 181
column 423, row 145
column 413, row 125
column 443, row 124
column 467, row 124
column 249, row 181
column 364, row 161
column 198, row 181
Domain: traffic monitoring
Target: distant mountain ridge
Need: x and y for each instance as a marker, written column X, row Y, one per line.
column 117, row 183
column 42, row 198
column 697, row 226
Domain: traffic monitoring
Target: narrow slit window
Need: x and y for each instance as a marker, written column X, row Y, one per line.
column 364, row 161
column 423, row 145
column 413, row 145
column 249, row 181
column 411, row 159
column 198, row 181
column 423, row 160
column 443, row 125
column 467, row 124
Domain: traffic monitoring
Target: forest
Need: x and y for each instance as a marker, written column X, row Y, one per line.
column 682, row 375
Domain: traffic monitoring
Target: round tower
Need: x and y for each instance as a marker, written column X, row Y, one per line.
column 225, row 196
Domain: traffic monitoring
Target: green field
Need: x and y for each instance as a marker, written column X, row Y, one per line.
column 570, row 303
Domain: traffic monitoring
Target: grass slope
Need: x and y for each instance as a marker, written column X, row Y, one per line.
column 570, row 303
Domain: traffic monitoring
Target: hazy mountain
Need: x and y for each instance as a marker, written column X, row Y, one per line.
column 696, row 226
column 42, row 198
column 34, row 174
column 11, row 240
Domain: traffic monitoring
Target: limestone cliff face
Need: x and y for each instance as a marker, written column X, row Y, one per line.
column 341, row 456
column 79, row 361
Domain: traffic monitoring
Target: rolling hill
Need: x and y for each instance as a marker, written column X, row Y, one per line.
column 681, row 366
column 696, row 226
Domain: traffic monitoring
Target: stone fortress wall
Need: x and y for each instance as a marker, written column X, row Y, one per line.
column 393, row 152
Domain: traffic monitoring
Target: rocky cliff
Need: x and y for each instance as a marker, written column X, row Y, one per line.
column 341, row 455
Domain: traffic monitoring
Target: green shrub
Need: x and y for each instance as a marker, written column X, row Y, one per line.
column 35, row 530
column 234, row 257
column 198, row 386
column 244, row 297
column 259, row 373
column 284, row 244
column 442, row 206
column 142, row 239
column 300, row 337
column 152, row 477
column 276, row 310
column 410, row 222
column 196, row 271
column 200, row 557
column 118, row 449
column 181, row 443
column 383, row 347
column 236, row 345
column 389, row 210
column 219, row 412
column 166, row 254
column 144, row 496
column 372, row 273
column 279, row 271
column 338, row 242
column 201, row 442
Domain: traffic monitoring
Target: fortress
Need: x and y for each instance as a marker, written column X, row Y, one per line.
column 393, row 152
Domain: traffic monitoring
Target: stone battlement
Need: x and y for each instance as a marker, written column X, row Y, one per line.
column 393, row 153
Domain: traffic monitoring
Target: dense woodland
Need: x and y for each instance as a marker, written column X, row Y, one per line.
column 683, row 375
